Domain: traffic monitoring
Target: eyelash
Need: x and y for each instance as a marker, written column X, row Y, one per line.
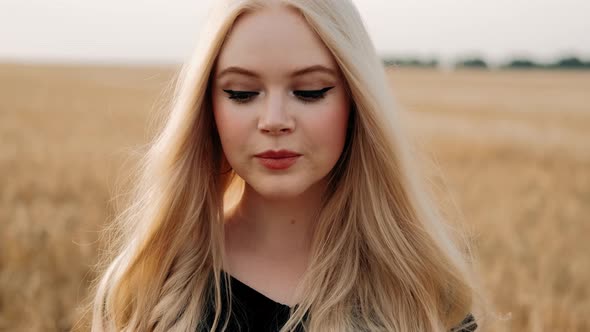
column 306, row 96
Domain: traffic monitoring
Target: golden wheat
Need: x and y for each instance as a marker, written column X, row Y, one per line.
column 512, row 147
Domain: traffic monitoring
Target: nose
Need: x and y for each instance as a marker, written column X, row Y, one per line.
column 274, row 118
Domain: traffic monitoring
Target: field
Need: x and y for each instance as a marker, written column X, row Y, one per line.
column 513, row 149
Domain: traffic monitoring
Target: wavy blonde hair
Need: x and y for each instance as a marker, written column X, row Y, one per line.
column 383, row 258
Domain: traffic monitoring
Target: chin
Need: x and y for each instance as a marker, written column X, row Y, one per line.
column 283, row 186
column 277, row 190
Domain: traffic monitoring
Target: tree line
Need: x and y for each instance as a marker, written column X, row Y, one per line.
column 569, row 62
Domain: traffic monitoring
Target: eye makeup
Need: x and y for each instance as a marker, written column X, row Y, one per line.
column 306, row 96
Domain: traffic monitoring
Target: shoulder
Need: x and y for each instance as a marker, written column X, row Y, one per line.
column 467, row 325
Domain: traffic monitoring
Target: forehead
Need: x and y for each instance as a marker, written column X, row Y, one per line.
column 273, row 40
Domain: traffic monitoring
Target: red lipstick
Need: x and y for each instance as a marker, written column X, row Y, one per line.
column 277, row 160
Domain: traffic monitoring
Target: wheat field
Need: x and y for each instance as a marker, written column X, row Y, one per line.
column 512, row 150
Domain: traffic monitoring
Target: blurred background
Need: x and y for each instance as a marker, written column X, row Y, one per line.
column 496, row 92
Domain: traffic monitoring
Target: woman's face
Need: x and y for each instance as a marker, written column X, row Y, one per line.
column 280, row 103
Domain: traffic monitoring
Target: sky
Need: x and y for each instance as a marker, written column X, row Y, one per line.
column 165, row 31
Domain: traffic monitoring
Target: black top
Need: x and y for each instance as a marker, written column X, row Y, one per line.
column 254, row 312
column 251, row 310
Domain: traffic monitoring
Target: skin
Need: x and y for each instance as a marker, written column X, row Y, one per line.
column 268, row 233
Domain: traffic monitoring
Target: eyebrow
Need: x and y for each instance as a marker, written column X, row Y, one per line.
column 298, row 72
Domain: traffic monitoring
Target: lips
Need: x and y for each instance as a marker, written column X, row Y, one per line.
column 272, row 154
column 278, row 160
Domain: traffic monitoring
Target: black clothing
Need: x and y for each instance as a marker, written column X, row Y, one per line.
column 251, row 311
column 254, row 312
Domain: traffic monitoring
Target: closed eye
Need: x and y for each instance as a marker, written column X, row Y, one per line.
column 241, row 96
column 311, row 95
column 306, row 96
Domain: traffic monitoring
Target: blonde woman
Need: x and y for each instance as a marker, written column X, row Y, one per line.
column 281, row 195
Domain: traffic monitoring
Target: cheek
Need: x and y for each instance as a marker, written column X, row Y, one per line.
column 329, row 130
column 230, row 126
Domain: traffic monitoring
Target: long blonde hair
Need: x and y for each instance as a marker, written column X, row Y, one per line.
column 383, row 258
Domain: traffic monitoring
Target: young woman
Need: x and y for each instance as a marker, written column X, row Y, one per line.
column 281, row 193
